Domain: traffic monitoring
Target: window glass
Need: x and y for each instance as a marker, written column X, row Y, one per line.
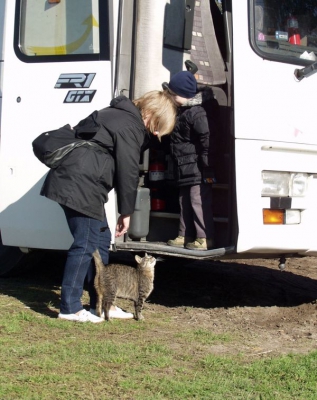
column 286, row 28
column 59, row 27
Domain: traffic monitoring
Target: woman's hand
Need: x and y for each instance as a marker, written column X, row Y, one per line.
column 122, row 225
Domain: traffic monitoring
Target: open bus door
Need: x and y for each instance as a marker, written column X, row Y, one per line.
column 169, row 34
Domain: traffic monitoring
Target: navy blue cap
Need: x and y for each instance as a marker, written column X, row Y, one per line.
column 183, row 84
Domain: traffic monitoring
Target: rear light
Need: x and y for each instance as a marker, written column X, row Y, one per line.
column 281, row 217
column 273, row 217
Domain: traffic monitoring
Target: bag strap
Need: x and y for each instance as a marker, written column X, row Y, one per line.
column 95, row 145
column 53, row 160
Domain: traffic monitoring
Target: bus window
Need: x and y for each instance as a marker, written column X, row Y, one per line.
column 63, row 28
column 285, row 30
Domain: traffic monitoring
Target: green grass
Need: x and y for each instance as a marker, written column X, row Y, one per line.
column 42, row 357
column 204, row 336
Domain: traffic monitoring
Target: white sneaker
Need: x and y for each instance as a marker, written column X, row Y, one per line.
column 93, row 312
column 117, row 313
column 120, row 314
column 82, row 316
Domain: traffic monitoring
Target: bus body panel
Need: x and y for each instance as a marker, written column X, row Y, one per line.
column 251, row 157
column 273, row 131
column 31, row 104
column 270, row 104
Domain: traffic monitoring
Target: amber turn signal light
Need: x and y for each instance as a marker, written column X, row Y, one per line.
column 275, row 217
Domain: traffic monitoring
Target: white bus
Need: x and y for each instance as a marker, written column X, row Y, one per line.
column 63, row 59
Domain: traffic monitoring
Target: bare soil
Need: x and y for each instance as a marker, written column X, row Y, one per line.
column 262, row 309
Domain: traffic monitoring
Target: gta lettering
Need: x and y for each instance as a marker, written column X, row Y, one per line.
column 79, row 96
column 67, row 81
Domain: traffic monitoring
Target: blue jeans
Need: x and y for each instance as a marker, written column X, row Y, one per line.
column 89, row 234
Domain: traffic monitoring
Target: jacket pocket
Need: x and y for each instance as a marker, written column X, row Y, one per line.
column 106, row 177
column 187, row 166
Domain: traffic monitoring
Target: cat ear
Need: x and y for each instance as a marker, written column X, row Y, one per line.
column 138, row 259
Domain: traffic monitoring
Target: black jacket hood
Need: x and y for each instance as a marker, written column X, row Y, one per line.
column 125, row 104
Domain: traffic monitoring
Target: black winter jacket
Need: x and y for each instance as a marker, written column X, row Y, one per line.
column 191, row 144
column 85, row 177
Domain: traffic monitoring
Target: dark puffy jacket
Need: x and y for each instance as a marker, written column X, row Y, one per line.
column 85, row 177
column 191, row 144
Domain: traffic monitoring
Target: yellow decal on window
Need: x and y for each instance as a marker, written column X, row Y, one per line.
column 70, row 47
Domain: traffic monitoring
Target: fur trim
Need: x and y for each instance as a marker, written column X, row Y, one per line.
column 204, row 94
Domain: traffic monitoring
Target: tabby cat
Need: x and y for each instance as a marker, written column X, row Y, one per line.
column 125, row 282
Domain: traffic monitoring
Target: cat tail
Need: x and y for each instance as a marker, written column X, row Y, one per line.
column 98, row 262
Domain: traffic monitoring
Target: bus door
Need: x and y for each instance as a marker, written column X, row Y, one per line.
column 56, row 71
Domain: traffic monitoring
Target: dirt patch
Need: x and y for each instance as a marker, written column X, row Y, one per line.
column 261, row 309
column 266, row 310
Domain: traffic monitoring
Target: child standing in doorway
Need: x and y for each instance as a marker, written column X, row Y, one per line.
column 192, row 152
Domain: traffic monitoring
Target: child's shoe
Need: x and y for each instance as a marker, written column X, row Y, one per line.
column 200, row 244
column 180, row 241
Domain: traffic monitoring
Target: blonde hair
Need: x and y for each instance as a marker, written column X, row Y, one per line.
column 160, row 108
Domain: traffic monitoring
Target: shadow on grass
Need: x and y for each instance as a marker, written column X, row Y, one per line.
column 38, row 287
column 209, row 284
